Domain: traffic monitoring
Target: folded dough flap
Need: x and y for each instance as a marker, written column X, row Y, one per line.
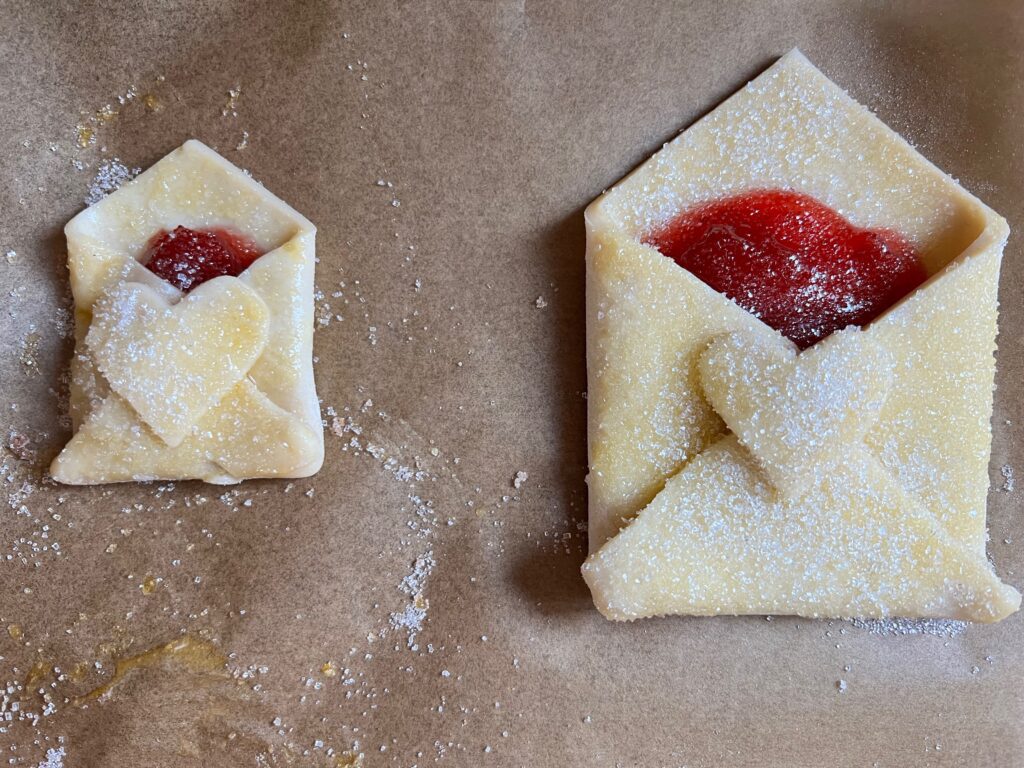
column 174, row 362
column 934, row 433
column 648, row 321
column 717, row 540
column 245, row 436
column 283, row 279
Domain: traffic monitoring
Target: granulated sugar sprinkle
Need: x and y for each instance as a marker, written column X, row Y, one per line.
column 520, row 479
column 54, row 758
column 109, row 177
column 901, row 626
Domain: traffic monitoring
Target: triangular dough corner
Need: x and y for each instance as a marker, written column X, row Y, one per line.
column 651, row 426
column 717, row 541
column 246, row 436
column 195, row 187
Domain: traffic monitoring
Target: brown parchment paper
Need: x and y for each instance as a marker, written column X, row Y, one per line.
column 410, row 604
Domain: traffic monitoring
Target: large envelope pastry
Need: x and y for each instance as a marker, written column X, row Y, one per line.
column 730, row 474
column 216, row 384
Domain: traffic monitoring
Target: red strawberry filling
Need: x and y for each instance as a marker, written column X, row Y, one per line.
column 187, row 257
column 791, row 261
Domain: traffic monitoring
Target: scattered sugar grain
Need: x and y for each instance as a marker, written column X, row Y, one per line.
column 903, row 626
column 54, row 758
column 1008, row 479
column 110, row 175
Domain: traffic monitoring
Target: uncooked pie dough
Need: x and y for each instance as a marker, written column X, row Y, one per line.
column 214, row 384
column 730, row 474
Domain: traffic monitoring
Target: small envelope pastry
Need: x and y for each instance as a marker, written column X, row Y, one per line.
column 839, row 472
column 201, row 365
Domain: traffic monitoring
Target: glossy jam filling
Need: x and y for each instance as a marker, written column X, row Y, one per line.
column 187, row 258
column 792, row 261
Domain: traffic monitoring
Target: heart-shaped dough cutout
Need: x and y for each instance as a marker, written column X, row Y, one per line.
column 797, row 414
column 172, row 363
